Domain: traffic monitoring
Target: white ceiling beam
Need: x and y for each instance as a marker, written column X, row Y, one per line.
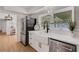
column 10, row 12
column 15, row 9
column 36, row 11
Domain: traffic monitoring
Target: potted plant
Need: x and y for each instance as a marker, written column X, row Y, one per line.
column 72, row 25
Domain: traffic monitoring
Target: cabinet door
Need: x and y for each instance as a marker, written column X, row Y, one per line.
column 30, row 38
column 43, row 44
column 34, row 41
column 34, row 44
column 44, row 40
column 30, row 41
column 44, row 48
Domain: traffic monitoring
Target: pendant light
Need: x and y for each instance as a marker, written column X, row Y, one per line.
column 8, row 17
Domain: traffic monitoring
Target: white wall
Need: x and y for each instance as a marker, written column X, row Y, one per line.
column 11, row 23
column 6, row 25
column 2, row 25
column 2, row 22
column 16, row 22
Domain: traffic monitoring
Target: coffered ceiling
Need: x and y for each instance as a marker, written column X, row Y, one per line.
column 29, row 9
column 32, row 8
column 22, row 9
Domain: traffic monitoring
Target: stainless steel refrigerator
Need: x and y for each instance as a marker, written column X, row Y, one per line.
column 27, row 24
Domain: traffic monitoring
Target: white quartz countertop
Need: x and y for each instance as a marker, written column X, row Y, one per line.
column 68, row 39
column 64, row 38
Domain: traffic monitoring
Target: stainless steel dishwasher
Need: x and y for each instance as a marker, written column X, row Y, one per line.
column 60, row 46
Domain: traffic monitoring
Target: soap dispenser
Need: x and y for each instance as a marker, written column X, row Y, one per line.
column 46, row 27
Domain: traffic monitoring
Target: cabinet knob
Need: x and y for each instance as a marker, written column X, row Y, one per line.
column 48, row 41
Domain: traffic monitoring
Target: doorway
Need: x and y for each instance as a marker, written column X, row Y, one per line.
column 9, row 40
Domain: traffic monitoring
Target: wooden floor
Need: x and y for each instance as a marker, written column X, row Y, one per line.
column 9, row 44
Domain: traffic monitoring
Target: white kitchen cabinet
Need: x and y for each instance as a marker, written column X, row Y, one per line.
column 31, row 40
column 38, row 42
column 44, row 48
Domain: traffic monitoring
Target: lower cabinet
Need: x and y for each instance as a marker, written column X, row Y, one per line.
column 38, row 43
column 40, row 47
column 44, row 48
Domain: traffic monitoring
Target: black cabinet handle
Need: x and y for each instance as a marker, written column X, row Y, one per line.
column 48, row 40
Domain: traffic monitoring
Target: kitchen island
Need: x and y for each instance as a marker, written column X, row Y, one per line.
column 39, row 40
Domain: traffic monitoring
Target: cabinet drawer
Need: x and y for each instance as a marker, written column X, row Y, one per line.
column 44, row 48
column 34, row 45
column 44, row 40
